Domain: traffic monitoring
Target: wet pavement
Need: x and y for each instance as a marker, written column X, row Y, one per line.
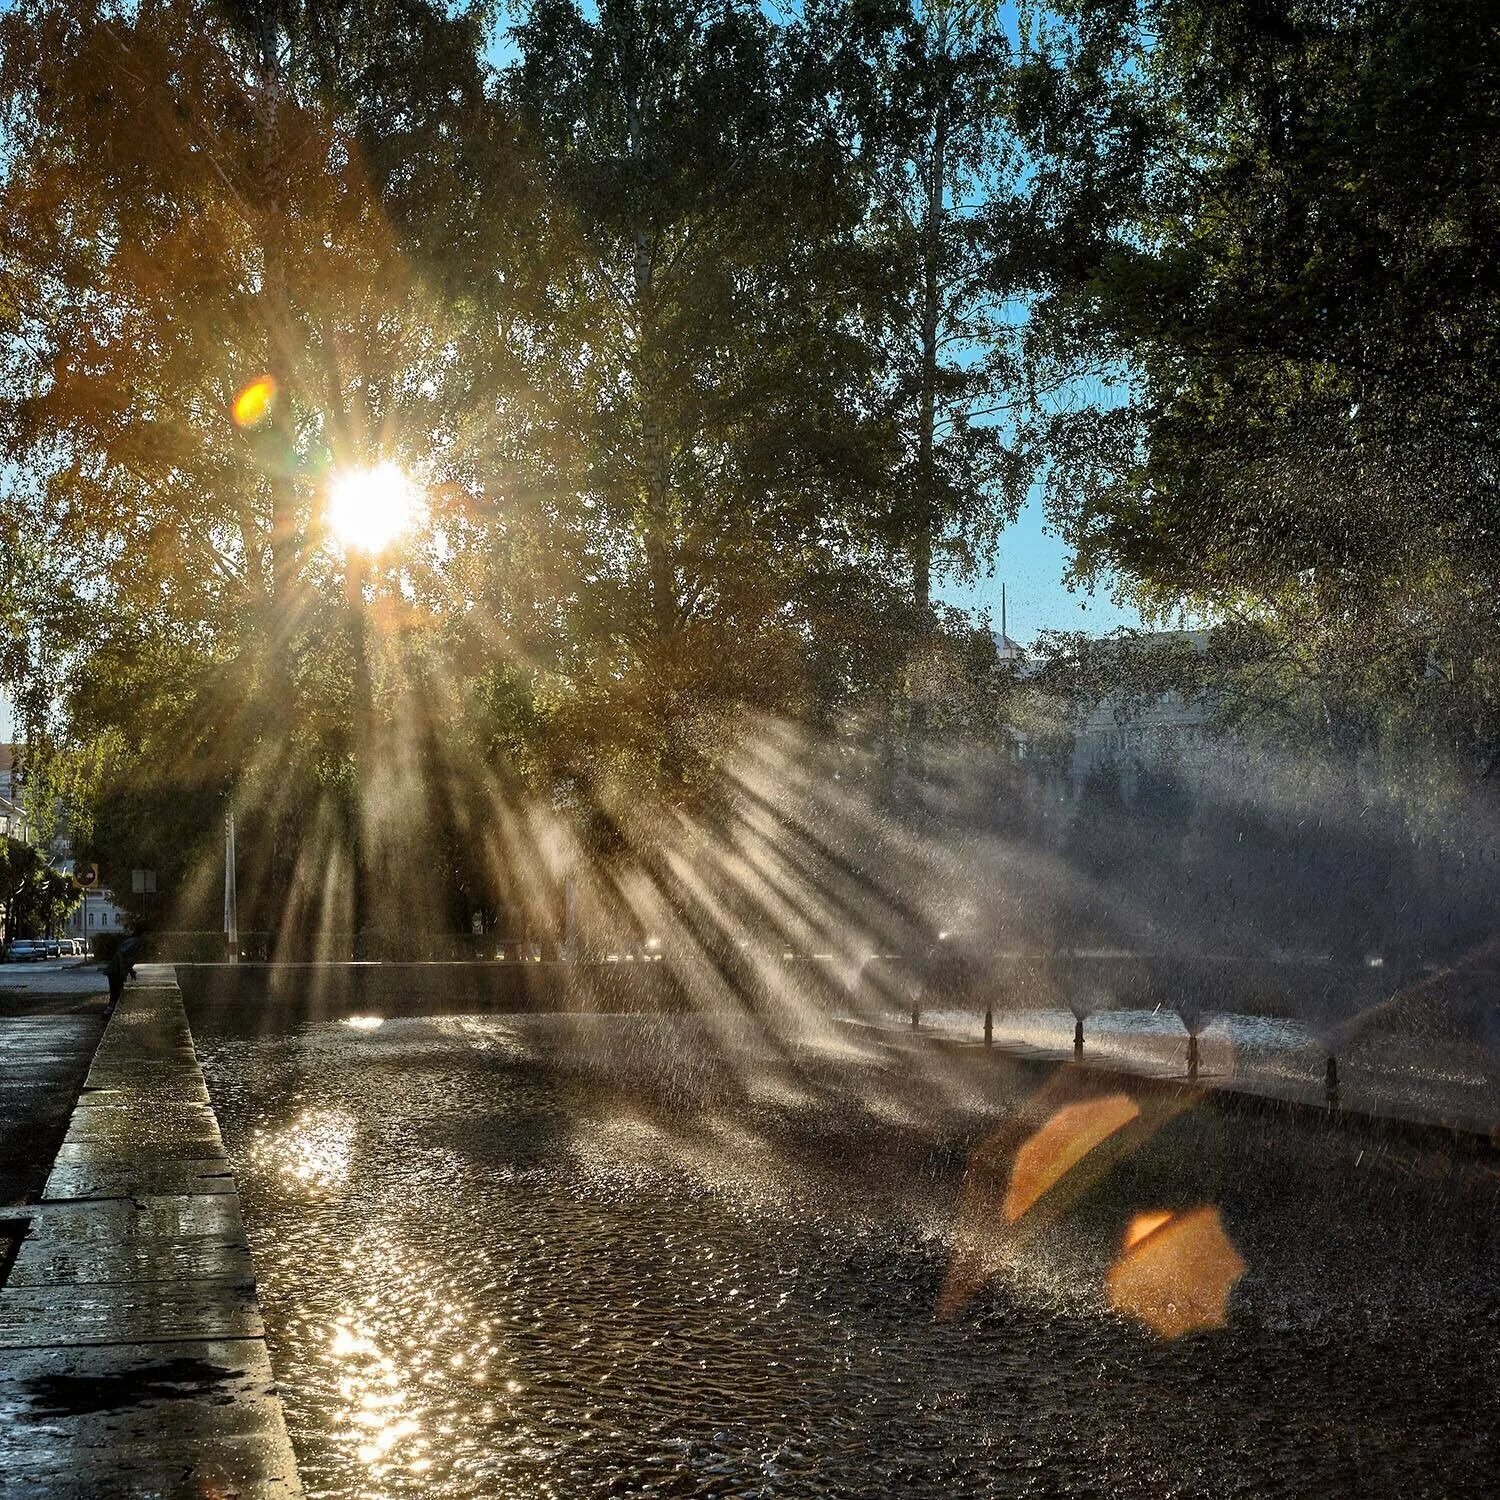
column 132, row 1359
column 51, row 1018
column 533, row 1256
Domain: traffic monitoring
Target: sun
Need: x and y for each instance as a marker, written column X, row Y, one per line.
column 369, row 508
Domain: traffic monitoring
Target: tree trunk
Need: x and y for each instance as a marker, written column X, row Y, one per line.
column 656, row 531
column 363, row 856
column 280, row 602
column 925, row 519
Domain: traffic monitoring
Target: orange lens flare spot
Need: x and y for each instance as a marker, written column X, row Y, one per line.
column 1143, row 1224
column 1175, row 1272
column 1059, row 1145
column 253, row 404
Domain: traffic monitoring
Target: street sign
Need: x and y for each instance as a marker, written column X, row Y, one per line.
column 143, row 882
column 87, row 876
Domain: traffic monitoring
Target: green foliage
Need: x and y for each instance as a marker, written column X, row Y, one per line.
column 1283, row 243
column 625, row 312
column 923, row 100
column 713, row 338
column 37, row 898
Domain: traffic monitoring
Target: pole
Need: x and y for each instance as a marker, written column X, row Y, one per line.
column 570, row 917
column 231, row 895
column 363, row 862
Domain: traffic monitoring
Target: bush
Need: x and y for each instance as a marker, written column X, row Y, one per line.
column 105, row 944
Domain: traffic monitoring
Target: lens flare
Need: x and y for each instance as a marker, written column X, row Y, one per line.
column 1175, row 1272
column 1055, row 1149
column 369, row 508
column 252, row 405
column 1144, row 1224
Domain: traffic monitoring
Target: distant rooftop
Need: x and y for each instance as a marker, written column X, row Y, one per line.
column 1006, row 648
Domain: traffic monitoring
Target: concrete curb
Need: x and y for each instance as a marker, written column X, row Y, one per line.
column 132, row 1352
column 1222, row 1093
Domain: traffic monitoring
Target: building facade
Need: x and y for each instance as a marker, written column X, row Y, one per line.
column 97, row 913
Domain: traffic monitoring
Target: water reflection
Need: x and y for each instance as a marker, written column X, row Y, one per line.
column 312, row 1151
column 572, row 1260
column 412, row 1360
column 372, row 1390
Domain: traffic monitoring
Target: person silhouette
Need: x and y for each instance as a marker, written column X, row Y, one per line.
column 120, row 967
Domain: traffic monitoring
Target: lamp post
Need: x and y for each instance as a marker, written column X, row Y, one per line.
column 367, row 511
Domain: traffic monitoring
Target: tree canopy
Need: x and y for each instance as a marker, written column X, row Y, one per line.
column 713, row 340
column 1285, row 274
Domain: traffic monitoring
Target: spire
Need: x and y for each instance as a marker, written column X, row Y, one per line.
column 1004, row 635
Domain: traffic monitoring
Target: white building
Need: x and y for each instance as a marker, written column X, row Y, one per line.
column 96, row 913
column 14, row 821
column 1165, row 730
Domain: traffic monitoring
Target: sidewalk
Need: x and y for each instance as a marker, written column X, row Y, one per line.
column 132, row 1352
column 51, row 1019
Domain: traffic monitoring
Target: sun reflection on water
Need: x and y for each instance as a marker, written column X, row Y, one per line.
column 371, row 1389
column 408, row 1358
column 311, row 1152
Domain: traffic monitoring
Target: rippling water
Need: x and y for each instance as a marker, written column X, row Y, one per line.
column 506, row 1257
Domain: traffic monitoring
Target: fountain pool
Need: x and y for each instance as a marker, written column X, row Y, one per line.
column 544, row 1256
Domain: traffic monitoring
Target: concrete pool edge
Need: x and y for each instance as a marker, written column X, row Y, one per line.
column 132, row 1349
column 1219, row 1091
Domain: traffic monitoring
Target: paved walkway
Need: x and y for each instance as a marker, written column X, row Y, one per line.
column 132, row 1353
column 51, row 1018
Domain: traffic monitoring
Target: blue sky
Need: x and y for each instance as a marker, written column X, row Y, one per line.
column 1032, row 564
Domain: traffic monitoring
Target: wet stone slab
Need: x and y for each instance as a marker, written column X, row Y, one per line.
column 71, row 1314
column 156, row 1088
column 100, row 1115
column 123, row 1240
column 112, row 1180
column 194, row 1418
column 99, row 1136
column 132, row 1352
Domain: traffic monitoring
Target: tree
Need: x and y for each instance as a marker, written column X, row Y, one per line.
column 161, row 254
column 931, row 120
column 36, row 897
column 1293, row 284
column 600, row 308
column 922, row 97
column 698, row 441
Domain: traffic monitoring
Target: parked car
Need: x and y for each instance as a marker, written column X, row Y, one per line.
column 26, row 950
